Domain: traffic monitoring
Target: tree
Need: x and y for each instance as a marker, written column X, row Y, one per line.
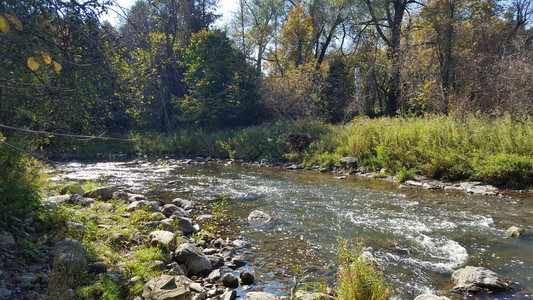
column 337, row 93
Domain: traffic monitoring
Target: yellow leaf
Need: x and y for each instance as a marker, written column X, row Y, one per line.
column 57, row 67
column 46, row 57
column 15, row 21
column 4, row 26
column 2, row 138
column 33, row 64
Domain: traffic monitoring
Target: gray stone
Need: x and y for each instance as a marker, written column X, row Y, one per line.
column 196, row 287
column 69, row 266
column 137, row 197
column 72, row 188
column 259, row 216
column 194, row 260
column 136, row 205
column 163, row 238
column 214, row 276
column 477, row 279
column 204, row 217
column 136, row 279
column 230, row 295
column 98, row 267
column 152, row 206
column 157, row 265
column 27, row 279
column 216, row 262
column 260, row 296
column 247, row 278
column 169, row 209
column 166, row 287
column 431, row 297
column 305, row 295
column 121, row 195
column 230, row 280
column 185, row 226
column 514, row 231
column 185, row 204
column 349, row 161
column 6, row 240
column 219, row 243
column 104, row 193
column 157, row 216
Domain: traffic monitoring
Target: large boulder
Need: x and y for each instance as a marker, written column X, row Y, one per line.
column 478, row 279
column 193, row 258
column 104, row 193
column 166, row 287
column 68, row 267
column 165, row 239
column 260, row 296
column 259, row 216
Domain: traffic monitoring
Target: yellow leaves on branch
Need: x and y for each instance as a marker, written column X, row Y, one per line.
column 33, row 62
column 2, row 138
column 4, row 23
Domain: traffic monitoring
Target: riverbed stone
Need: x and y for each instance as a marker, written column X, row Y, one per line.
column 163, row 238
column 157, row 216
column 185, row 225
column 166, row 287
column 169, row 209
column 478, row 279
column 104, row 193
column 69, row 265
column 230, row 295
column 183, row 203
column 194, row 260
column 216, row 261
column 349, row 161
column 135, row 205
column 247, row 277
column 259, row 217
column 27, row 279
column 431, row 297
column 260, row 296
column 230, row 280
column 137, row 197
column 118, row 239
column 514, row 231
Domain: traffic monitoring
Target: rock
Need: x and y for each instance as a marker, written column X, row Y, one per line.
column 216, row 262
column 98, row 267
column 238, row 262
column 247, row 278
column 477, row 279
column 5, row 293
column 121, row 195
column 185, row 226
column 413, row 183
column 118, row 239
column 196, row 287
column 163, row 238
column 230, row 280
column 219, row 243
column 259, row 216
column 204, row 217
column 69, row 266
column 514, row 231
column 193, row 259
column 169, row 209
column 135, row 205
column 27, row 279
column 137, row 197
column 260, row 296
column 431, row 297
column 166, row 287
column 305, row 295
column 136, row 279
column 214, row 276
column 69, row 295
column 157, row 216
column 349, row 161
column 72, row 188
column 230, row 295
column 478, row 188
column 294, row 167
column 157, row 265
column 185, row 204
column 152, row 206
column 7, row 240
column 104, row 193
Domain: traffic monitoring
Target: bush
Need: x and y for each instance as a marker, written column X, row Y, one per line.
column 506, row 170
column 19, row 182
column 358, row 278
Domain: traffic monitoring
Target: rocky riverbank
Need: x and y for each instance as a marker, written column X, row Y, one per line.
column 122, row 241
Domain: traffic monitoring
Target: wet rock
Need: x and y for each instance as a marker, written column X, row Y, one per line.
column 163, row 238
column 478, row 279
column 260, row 296
column 294, row 167
column 514, row 231
column 103, row 193
column 98, row 267
column 247, row 278
column 431, row 297
column 238, row 262
column 7, row 240
column 166, row 287
column 349, row 161
column 413, row 183
column 478, row 188
column 194, row 260
column 259, row 217
column 230, row 280
column 169, row 209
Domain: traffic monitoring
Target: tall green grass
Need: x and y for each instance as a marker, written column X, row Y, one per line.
column 494, row 150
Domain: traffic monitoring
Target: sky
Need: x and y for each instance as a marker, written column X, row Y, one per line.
column 225, row 7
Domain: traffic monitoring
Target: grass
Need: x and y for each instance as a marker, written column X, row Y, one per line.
column 358, row 278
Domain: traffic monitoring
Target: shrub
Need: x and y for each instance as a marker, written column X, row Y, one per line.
column 506, row 170
column 405, row 174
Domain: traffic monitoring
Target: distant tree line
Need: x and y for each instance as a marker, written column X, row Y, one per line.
column 168, row 67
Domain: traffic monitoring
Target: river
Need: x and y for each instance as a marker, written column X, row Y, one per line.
column 417, row 236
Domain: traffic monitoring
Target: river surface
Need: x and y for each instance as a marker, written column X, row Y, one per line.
column 418, row 237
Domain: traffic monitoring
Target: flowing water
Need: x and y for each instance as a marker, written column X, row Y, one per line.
column 418, row 237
